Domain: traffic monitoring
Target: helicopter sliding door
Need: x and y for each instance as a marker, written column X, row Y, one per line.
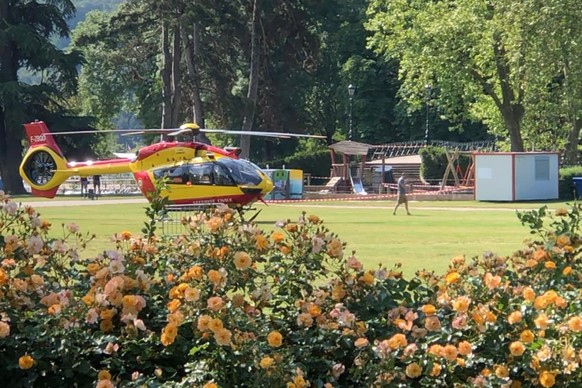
column 203, row 182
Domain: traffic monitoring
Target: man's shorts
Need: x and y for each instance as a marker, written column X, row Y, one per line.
column 402, row 199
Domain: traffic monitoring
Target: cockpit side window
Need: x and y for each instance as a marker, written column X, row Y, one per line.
column 221, row 176
column 177, row 175
column 201, row 174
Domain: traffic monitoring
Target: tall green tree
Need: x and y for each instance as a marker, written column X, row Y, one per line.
column 472, row 52
column 555, row 98
column 26, row 32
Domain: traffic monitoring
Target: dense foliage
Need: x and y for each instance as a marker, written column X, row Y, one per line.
column 26, row 31
column 228, row 304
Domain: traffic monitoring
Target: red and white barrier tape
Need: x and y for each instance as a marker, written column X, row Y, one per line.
column 369, row 197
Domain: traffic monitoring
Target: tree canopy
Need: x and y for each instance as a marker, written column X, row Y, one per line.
column 472, row 69
column 26, row 29
column 499, row 62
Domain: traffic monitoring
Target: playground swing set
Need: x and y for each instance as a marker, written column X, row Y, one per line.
column 347, row 175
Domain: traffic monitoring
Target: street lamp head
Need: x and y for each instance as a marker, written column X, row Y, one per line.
column 351, row 90
column 427, row 89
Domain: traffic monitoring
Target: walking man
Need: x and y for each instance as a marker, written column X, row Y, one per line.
column 401, row 195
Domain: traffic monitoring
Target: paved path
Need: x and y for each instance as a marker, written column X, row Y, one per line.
column 389, row 205
column 81, row 202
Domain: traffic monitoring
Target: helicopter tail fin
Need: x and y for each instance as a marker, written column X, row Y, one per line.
column 43, row 166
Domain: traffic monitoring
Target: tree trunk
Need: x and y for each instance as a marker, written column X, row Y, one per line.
column 166, row 78
column 10, row 156
column 253, row 90
column 512, row 118
column 10, row 132
column 509, row 104
column 176, row 77
column 571, row 151
column 573, row 112
column 192, row 54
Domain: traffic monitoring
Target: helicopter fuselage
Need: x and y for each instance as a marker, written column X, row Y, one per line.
column 194, row 173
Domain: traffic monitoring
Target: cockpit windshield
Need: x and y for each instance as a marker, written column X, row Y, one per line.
column 241, row 170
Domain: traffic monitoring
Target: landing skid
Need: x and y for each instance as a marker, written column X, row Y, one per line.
column 241, row 212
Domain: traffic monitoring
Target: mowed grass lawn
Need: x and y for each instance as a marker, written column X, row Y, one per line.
column 434, row 233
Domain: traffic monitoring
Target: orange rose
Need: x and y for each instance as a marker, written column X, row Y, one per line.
column 275, row 339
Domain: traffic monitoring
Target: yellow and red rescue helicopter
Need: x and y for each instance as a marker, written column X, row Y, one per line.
column 195, row 173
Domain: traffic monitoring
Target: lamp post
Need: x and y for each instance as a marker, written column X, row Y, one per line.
column 427, row 95
column 351, row 91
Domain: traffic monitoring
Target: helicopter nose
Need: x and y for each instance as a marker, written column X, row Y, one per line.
column 267, row 185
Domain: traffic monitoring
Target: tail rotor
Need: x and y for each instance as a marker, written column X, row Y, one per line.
column 43, row 167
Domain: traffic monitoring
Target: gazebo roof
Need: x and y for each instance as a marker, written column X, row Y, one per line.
column 349, row 147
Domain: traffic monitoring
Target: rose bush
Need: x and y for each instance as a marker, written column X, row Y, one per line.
column 228, row 304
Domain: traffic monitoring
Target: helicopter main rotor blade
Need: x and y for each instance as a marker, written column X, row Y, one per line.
column 89, row 132
column 179, row 131
column 284, row 135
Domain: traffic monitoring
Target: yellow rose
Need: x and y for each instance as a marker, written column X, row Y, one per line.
column 361, row 342
column 464, row 348
column 215, row 303
column 452, row 278
column 450, row 352
column 104, row 375
column 106, row 325
column 428, row 309
column 4, row 329
column 367, row 278
column 191, row 294
column 547, row 379
column 461, row 304
column 528, row 294
column 516, row 348
column 562, row 240
column 567, row 271
column 195, row 272
column 107, row 314
column 92, row 268
column 541, row 321
column 527, row 336
column 266, row 362
column 242, row 260
column 501, row 371
column 223, row 337
column 215, row 325
column 575, row 324
column 25, row 362
column 173, row 305
column 413, row 370
column 514, row 317
column 214, row 276
column 397, row 341
column 277, row 236
column 338, row 292
column 203, row 322
column 261, row 242
column 275, row 339
column 550, row 265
